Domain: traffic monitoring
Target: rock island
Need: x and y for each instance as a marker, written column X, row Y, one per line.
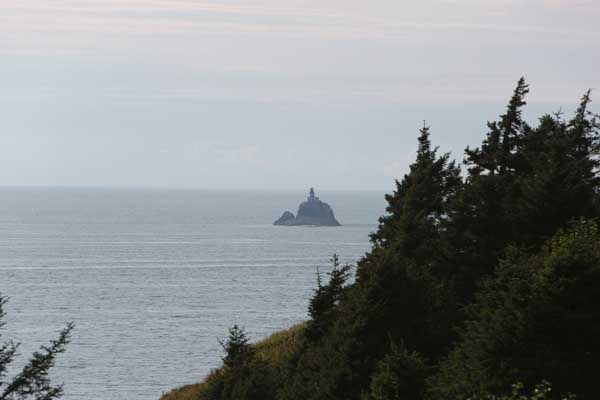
column 313, row 212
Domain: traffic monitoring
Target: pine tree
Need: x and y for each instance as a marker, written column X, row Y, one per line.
column 401, row 290
column 497, row 153
column 535, row 319
column 245, row 376
column 33, row 382
column 237, row 348
column 524, row 184
column 400, row 375
column 418, row 206
column 321, row 308
column 479, row 227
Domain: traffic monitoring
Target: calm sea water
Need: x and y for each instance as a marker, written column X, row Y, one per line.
column 153, row 277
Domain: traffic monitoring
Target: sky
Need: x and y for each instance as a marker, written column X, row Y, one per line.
column 272, row 94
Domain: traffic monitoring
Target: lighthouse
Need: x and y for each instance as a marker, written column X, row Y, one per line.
column 311, row 195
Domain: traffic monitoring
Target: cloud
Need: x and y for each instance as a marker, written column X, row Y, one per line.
column 186, row 17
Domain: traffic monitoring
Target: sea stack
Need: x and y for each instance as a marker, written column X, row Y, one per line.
column 313, row 212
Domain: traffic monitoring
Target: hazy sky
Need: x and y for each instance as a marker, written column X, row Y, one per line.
column 271, row 93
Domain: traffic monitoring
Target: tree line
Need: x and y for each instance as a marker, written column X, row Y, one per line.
column 482, row 281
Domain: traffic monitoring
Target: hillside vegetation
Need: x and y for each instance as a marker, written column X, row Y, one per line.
column 275, row 351
column 481, row 283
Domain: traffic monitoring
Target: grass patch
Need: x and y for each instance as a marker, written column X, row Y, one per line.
column 275, row 350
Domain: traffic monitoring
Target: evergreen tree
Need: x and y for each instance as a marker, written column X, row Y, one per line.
column 535, row 319
column 418, row 205
column 321, row 308
column 400, row 375
column 524, row 184
column 245, row 376
column 478, row 228
column 33, row 382
column 558, row 181
column 237, row 348
column 405, row 284
column 497, row 153
column 398, row 293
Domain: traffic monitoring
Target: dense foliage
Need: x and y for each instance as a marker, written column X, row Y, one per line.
column 33, row 382
column 475, row 280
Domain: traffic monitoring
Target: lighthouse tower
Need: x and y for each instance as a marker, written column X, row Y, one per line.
column 311, row 195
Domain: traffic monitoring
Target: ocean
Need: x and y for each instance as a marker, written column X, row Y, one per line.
column 153, row 278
